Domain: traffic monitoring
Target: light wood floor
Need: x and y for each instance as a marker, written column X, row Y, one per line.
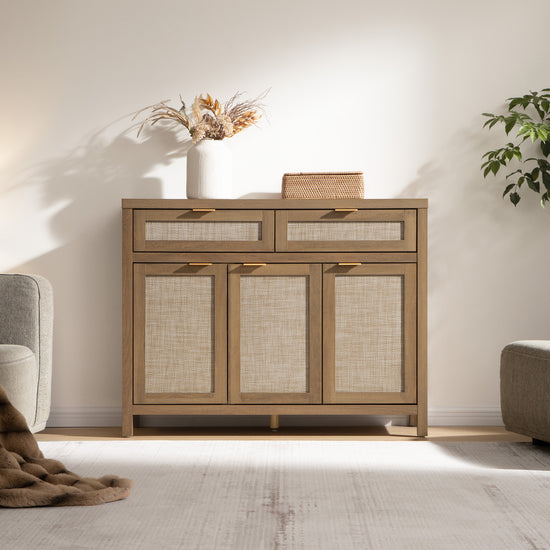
column 369, row 433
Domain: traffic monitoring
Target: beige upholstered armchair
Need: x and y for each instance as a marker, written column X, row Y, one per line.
column 26, row 322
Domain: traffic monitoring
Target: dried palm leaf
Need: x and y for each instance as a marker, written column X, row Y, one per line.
column 210, row 104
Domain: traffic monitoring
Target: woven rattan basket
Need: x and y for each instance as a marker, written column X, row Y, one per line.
column 323, row 185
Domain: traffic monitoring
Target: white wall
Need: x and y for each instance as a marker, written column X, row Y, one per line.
column 391, row 88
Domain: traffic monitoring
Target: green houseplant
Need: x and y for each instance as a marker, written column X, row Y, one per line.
column 530, row 116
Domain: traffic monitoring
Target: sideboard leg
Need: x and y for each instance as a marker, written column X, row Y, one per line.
column 274, row 422
column 422, row 424
column 127, row 425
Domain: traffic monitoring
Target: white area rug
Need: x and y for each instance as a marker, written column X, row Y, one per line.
column 255, row 495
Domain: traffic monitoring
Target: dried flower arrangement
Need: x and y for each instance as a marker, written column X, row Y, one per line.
column 209, row 119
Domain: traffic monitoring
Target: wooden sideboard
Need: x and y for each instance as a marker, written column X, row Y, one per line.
column 274, row 307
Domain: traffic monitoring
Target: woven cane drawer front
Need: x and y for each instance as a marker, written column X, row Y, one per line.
column 370, row 334
column 203, row 230
column 346, row 230
column 275, row 342
column 178, row 352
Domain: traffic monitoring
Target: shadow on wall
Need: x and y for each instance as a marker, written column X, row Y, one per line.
column 486, row 269
column 85, row 269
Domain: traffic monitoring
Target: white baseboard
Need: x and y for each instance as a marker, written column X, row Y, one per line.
column 74, row 417
column 481, row 416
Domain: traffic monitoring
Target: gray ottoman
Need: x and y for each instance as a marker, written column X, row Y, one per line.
column 525, row 388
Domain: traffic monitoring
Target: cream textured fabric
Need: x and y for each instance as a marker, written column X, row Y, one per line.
column 26, row 319
column 345, row 231
column 369, row 334
column 274, row 334
column 179, row 334
column 203, row 231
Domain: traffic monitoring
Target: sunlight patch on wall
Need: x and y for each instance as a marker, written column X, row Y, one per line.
column 24, row 226
column 354, row 102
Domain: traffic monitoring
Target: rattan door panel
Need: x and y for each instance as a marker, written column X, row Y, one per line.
column 275, row 333
column 204, row 230
column 369, row 333
column 346, row 230
column 180, row 333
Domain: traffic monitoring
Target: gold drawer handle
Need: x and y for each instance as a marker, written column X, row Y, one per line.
column 199, row 263
column 349, row 263
column 346, row 209
column 254, row 265
column 204, row 209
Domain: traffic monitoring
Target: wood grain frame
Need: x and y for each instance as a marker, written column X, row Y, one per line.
column 127, row 324
column 273, row 204
column 313, row 272
column 264, row 217
column 219, row 272
column 407, row 217
column 422, row 324
column 330, row 272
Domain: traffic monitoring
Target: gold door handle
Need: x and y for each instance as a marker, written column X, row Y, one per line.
column 349, row 263
column 204, row 209
column 199, row 263
column 254, row 265
column 346, row 209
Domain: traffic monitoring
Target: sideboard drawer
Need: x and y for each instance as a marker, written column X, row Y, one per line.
column 346, row 230
column 203, row 230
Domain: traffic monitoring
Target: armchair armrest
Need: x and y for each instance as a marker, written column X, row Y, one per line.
column 26, row 319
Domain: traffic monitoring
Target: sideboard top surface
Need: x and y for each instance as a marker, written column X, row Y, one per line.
column 282, row 204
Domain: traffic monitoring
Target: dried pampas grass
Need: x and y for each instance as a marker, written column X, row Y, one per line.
column 209, row 119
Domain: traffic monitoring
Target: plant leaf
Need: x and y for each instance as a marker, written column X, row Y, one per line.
column 510, row 123
column 514, row 198
column 533, row 185
column 508, row 189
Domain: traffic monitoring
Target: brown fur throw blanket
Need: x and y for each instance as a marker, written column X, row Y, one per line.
column 29, row 479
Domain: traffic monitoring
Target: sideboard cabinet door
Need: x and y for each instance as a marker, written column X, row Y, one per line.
column 180, row 323
column 275, row 333
column 369, row 333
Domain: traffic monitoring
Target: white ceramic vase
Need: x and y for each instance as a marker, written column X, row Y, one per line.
column 209, row 170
